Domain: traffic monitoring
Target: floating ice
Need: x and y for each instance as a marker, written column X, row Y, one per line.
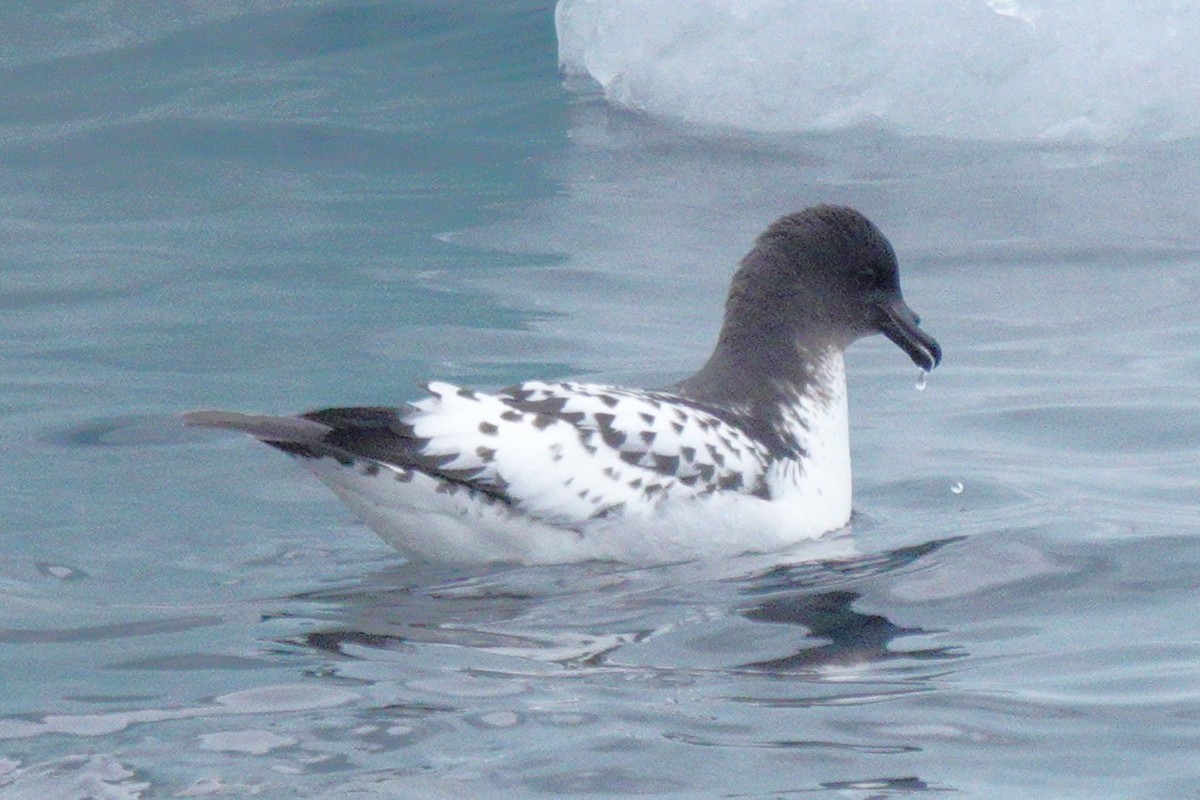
column 1058, row 70
column 252, row 742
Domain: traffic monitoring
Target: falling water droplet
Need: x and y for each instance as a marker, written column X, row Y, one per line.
column 956, row 487
column 921, row 380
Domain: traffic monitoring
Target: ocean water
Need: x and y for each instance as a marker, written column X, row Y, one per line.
column 280, row 206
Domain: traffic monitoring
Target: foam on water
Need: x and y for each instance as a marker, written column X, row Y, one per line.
column 74, row 777
column 1108, row 70
column 270, row 699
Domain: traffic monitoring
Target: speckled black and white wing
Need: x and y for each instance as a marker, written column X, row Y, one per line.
column 569, row 452
column 671, row 437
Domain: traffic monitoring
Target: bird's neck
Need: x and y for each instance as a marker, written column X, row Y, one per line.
column 772, row 365
column 791, row 383
column 817, row 422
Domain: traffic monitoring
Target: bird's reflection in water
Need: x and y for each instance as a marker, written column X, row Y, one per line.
column 408, row 606
column 792, row 595
column 580, row 616
column 850, row 637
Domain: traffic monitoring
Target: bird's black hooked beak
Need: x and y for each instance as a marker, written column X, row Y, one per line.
column 902, row 326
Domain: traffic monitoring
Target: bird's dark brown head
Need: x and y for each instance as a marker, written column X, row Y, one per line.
column 828, row 273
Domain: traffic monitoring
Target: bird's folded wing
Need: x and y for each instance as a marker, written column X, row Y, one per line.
column 561, row 452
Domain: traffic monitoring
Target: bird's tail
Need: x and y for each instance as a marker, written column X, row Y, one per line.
column 273, row 430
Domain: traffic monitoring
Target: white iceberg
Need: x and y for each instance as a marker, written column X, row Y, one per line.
column 999, row 70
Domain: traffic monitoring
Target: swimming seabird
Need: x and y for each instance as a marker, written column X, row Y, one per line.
column 750, row 454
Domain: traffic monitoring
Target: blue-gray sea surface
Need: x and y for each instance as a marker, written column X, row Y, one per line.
column 280, row 206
